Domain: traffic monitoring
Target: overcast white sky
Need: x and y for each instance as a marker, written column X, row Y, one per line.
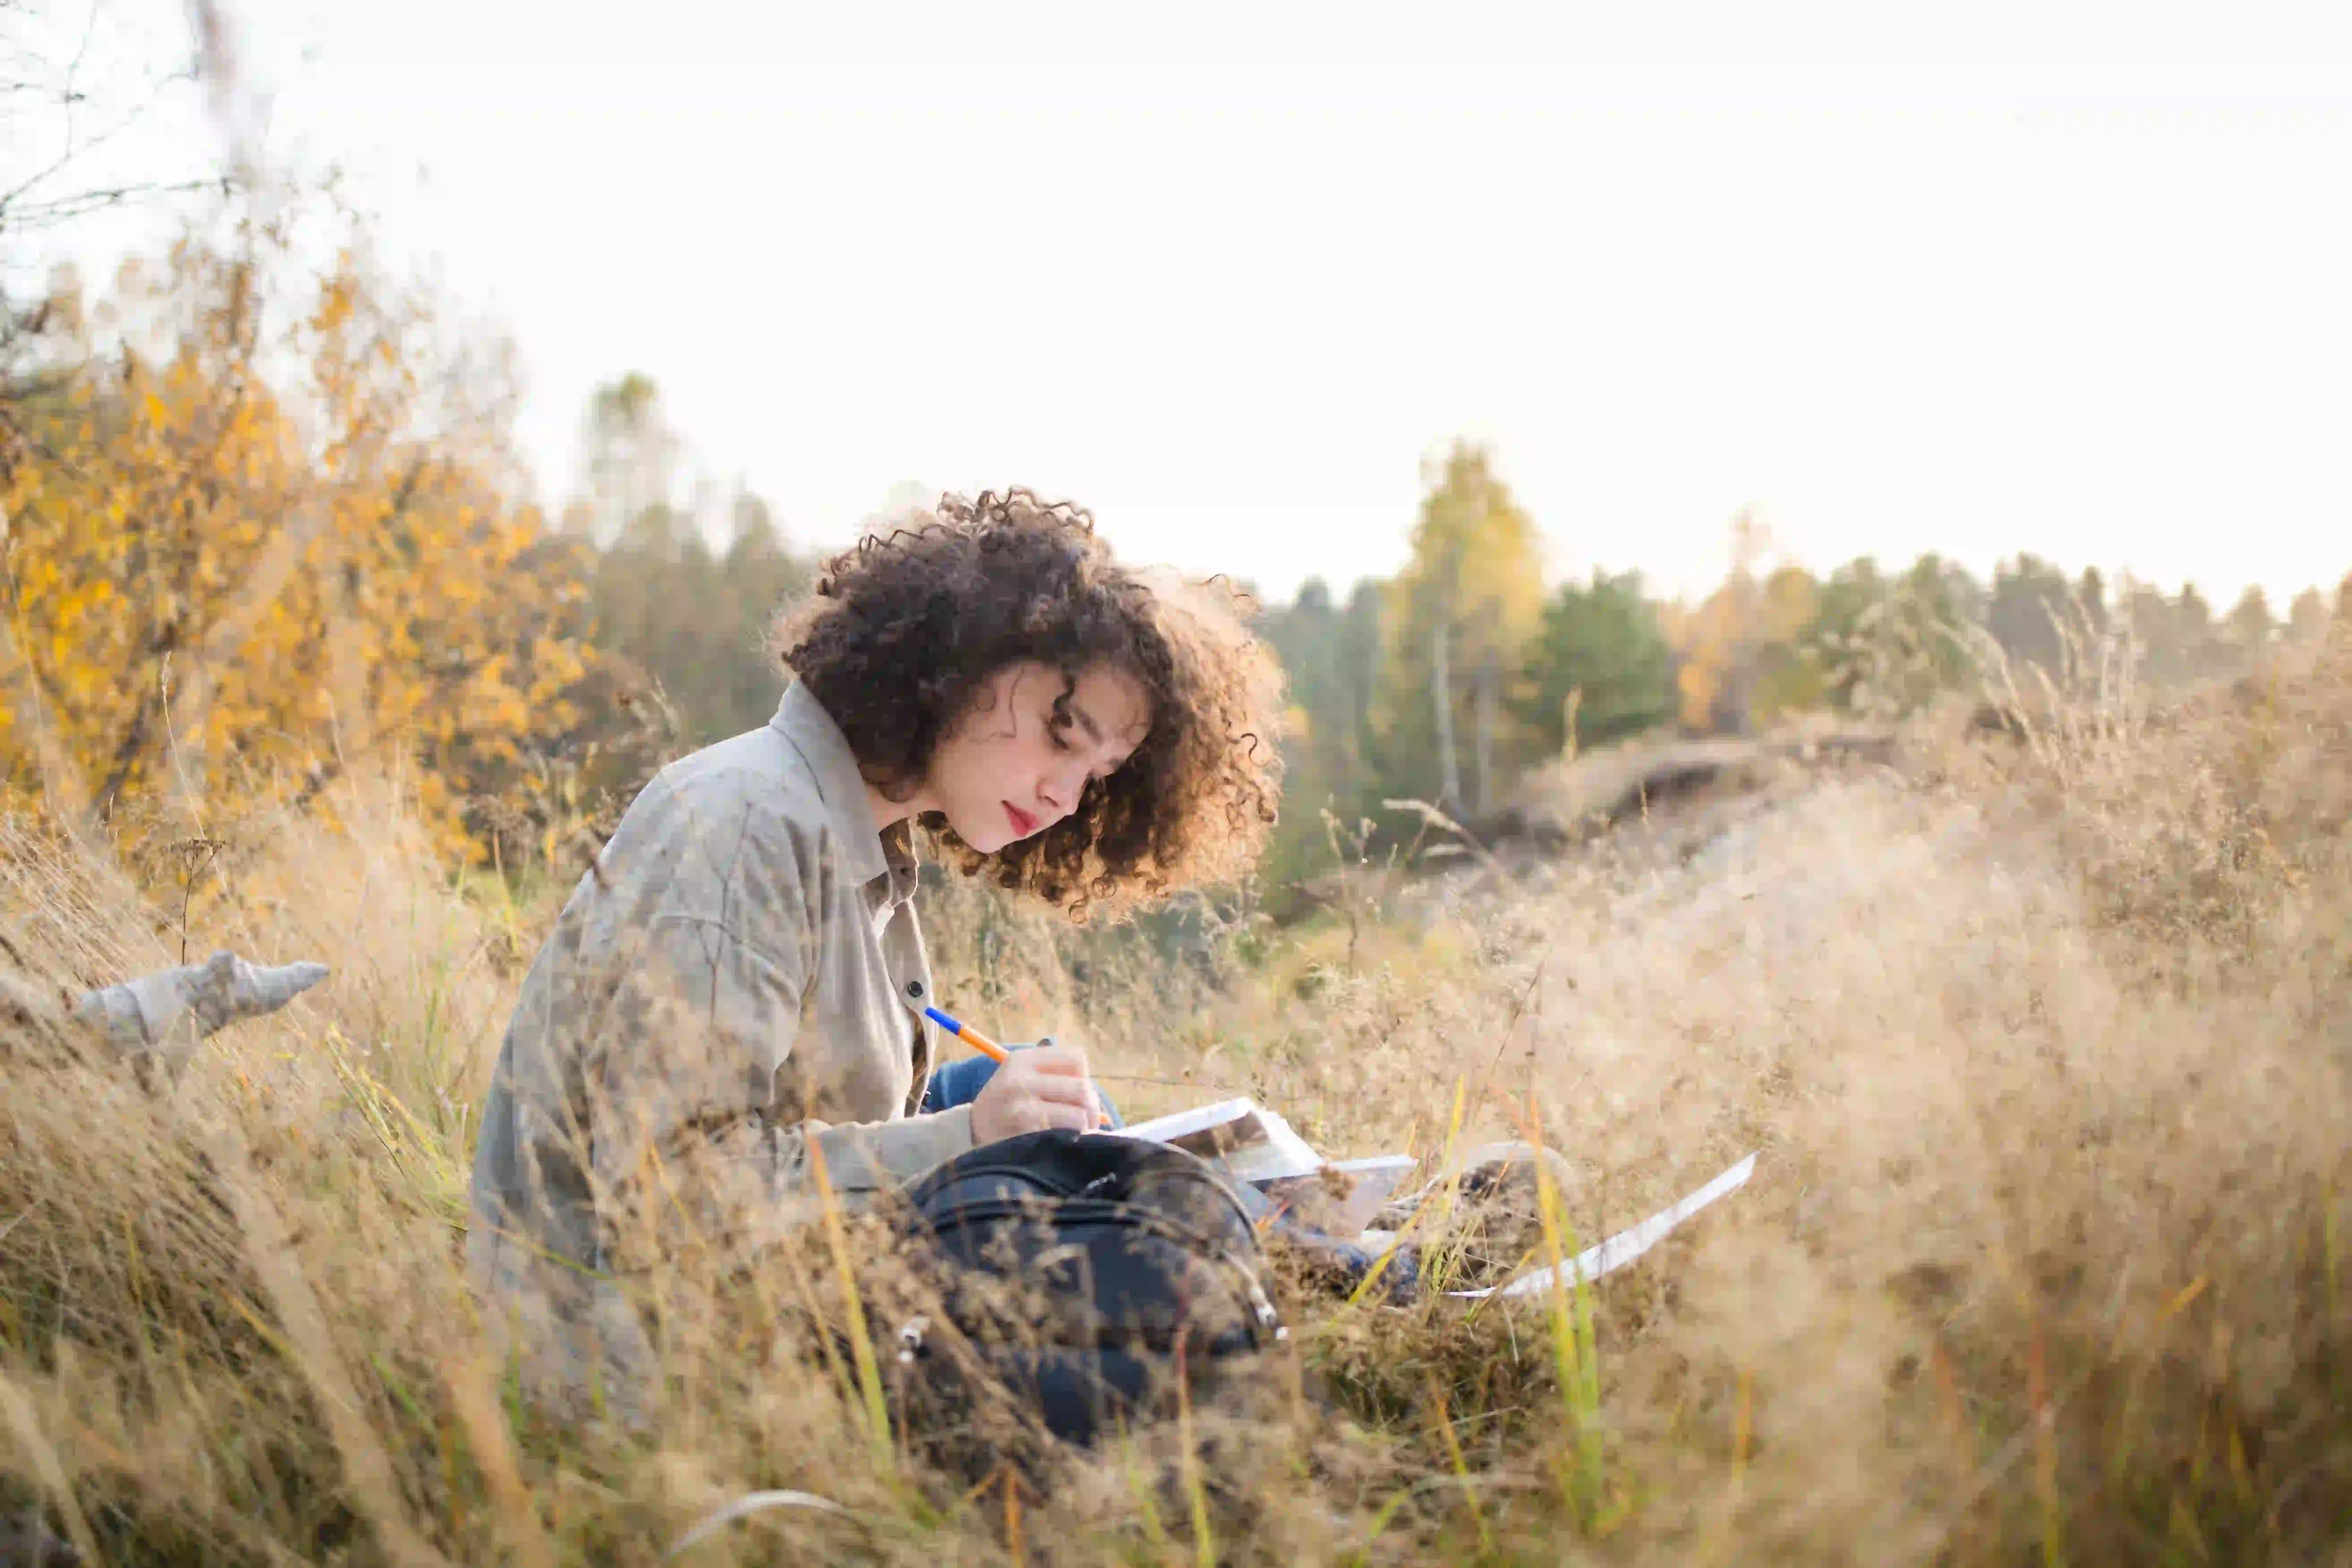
column 1976, row 279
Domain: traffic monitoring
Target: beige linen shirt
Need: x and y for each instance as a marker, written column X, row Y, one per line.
column 723, row 991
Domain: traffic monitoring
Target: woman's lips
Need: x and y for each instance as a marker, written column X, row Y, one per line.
column 1023, row 823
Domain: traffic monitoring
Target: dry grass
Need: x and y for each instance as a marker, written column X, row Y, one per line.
column 2044, row 1258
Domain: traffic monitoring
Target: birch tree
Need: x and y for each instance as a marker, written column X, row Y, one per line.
column 1458, row 622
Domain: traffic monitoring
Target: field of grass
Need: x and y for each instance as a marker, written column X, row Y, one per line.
column 2046, row 1045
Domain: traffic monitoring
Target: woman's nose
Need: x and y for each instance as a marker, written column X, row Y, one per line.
column 1060, row 791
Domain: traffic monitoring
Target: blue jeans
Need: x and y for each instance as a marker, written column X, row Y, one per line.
column 959, row 1082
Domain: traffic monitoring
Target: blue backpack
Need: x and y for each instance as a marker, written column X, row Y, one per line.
column 1077, row 1277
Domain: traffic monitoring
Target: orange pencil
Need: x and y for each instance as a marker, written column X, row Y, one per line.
column 968, row 1035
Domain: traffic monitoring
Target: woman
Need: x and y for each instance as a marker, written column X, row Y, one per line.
column 716, row 1033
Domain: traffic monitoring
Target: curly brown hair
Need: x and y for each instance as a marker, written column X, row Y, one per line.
column 905, row 628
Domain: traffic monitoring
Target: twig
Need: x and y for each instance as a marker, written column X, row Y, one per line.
column 1516, row 1009
column 192, row 867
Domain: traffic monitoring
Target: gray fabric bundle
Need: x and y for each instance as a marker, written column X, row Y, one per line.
column 166, row 1014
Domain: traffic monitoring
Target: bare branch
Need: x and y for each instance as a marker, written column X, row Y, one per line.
column 23, row 205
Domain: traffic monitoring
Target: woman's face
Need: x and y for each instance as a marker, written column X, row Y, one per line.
column 1015, row 766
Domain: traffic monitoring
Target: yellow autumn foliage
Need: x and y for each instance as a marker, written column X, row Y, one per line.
column 1736, row 650
column 250, row 548
column 1474, row 585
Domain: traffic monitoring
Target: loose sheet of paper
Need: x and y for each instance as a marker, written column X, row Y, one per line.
column 1626, row 1245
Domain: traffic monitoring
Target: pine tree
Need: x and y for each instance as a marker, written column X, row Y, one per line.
column 1600, row 669
column 2250, row 627
column 2030, row 613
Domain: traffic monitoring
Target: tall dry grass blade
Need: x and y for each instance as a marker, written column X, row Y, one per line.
column 1575, row 1351
column 1196, row 1486
column 1954, row 1415
column 2045, row 1451
column 1743, row 1427
column 1146, row 1507
column 26, row 1429
column 2331, row 1242
column 519, row 1527
column 2127, row 1423
column 367, row 1465
column 861, row 1343
column 1439, row 1193
column 1013, row 1547
column 1461, row 1465
column 1380, row 1523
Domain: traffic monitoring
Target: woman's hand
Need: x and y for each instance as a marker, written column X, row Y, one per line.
column 1044, row 1087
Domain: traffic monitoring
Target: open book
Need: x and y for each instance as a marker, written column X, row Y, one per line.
column 1337, row 1196
column 1341, row 1196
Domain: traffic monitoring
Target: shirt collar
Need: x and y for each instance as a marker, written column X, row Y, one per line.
column 899, row 851
column 802, row 719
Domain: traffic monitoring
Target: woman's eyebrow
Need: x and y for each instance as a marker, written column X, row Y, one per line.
column 1094, row 731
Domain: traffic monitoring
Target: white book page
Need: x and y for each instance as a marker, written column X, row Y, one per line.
column 1626, row 1245
column 1178, row 1124
column 1276, row 1154
column 1254, row 1143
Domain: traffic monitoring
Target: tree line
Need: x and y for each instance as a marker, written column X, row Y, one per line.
column 265, row 523
column 1447, row 682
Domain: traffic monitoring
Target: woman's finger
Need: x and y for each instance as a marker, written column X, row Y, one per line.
column 1063, row 1090
column 1060, row 1062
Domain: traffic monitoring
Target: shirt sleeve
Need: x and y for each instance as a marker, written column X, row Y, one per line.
column 685, row 1148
